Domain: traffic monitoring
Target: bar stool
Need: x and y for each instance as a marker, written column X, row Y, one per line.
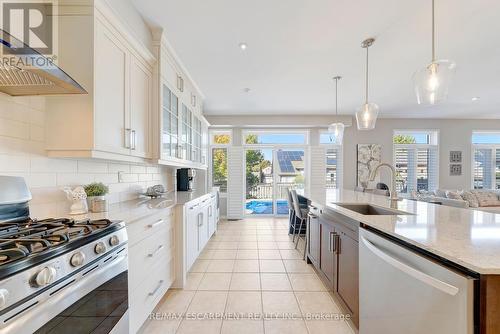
column 300, row 216
column 291, row 215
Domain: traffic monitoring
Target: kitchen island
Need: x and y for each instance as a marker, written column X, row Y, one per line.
column 462, row 240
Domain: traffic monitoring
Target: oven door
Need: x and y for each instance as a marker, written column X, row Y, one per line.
column 95, row 301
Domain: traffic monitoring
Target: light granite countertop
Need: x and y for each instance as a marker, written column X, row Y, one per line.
column 469, row 238
column 130, row 211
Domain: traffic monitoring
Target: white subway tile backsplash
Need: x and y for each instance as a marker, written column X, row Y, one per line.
column 14, row 163
column 115, row 168
column 85, row 166
column 22, row 153
column 41, row 164
column 152, row 169
column 106, row 178
column 127, row 177
column 145, row 177
column 70, row 179
column 137, row 169
column 14, row 129
column 39, row 180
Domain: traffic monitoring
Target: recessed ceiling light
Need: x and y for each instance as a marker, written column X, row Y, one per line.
column 243, row 46
column 475, row 98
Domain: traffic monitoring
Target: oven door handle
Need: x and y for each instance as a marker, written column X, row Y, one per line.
column 160, row 283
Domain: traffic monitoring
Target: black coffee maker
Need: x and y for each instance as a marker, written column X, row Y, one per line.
column 185, row 179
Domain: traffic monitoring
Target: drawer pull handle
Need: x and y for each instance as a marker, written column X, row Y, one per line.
column 156, row 251
column 159, row 222
column 160, row 283
column 194, row 206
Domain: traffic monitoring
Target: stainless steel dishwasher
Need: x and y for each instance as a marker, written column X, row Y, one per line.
column 402, row 291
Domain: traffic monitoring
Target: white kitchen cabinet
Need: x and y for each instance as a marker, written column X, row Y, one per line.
column 192, row 236
column 151, row 264
column 112, row 121
column 111, row 114
column 197, row 224
column 140, row 108
column 180, row 119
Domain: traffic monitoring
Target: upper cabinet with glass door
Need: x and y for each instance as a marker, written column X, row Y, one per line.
column 182, row 127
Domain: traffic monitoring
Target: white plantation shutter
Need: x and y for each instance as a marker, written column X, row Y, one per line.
column 433, row 169
column 483, row 168
column 318, row 174
column 235, row 183
column 417, row 168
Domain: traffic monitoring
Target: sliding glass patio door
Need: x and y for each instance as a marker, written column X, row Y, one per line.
column 270, row 172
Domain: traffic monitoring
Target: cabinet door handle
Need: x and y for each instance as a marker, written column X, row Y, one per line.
column 128, row 135
column 159, row 222
column 200, row 221
column 156, row 251
column 133, row 139
column 152, row 293
column 337, row 244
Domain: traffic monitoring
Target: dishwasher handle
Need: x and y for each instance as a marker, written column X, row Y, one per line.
column 417, row 274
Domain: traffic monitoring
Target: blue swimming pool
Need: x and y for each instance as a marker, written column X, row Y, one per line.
column 263, row 207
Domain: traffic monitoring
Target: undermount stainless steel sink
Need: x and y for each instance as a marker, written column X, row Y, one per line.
column 372, row 210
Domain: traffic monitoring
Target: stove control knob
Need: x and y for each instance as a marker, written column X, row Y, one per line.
column 113, row 241
column 100, row 248
column 45, row 276
column 77, row 259
column 4, row 295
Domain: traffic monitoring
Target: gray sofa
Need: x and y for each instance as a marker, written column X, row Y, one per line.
column 459, row 199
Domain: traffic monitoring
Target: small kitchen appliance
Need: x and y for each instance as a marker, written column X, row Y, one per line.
column 185, row 179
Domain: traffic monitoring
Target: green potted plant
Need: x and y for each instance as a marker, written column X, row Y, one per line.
column 96, row 196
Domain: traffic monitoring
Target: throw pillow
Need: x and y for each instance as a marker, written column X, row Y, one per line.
column 453, row 195
column 440, row 193
column 487, row 198
column 471, row 199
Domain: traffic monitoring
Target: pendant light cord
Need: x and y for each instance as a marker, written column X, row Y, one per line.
column 366, row 91
column 433, row 35
column 336, row 96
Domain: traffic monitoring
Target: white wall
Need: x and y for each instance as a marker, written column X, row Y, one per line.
column 131, row 18
column 454, row 135
column 22, row 142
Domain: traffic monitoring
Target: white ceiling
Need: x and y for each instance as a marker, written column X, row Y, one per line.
column 295, row 47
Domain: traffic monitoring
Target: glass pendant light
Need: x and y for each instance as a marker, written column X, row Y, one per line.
column 432, row 82
column 336, row 129
column 366, row 116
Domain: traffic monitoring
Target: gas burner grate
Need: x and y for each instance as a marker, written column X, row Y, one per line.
column 31, row 236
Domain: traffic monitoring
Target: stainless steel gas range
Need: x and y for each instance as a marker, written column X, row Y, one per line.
column 59, row 275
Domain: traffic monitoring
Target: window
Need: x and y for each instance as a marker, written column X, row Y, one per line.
column 416, row 160
column 220, row 140
column 333, row 160
column 486, row 160
column 274, row 138
column 219, row 168
column 326, row 138
column 221, row 137
column 332, row 168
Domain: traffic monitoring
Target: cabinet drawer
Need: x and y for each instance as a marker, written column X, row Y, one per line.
column 143, row 228
column 148, row 254
column 145, row 296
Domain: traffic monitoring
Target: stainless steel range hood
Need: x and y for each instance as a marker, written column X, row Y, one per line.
column 24, row 71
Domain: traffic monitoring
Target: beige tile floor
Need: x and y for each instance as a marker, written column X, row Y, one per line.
column 249, row 279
